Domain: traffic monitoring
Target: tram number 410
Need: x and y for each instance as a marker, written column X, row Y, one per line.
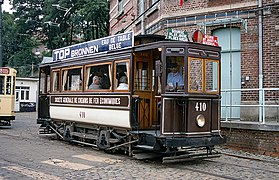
column 200, row 106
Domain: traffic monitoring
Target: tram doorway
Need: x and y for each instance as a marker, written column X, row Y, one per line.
column 44, row 89
column 146, row 88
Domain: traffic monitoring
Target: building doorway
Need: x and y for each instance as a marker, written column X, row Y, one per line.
column 229, row 40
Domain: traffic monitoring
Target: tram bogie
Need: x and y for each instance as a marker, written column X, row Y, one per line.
column 7, row 95
column 161, row 97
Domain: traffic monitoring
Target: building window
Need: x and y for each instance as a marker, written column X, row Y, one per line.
column 27, row 95
column 120, row 6
column 22, row 95
column 141, row 6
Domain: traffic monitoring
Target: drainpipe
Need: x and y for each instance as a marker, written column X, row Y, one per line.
column 143, row 19
column 260, row 25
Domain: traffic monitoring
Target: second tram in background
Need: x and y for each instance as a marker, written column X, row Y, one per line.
column 137, row 95
column 7, row 95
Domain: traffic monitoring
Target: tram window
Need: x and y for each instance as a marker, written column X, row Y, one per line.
column 122, row 75
column 14, row 80
column 2, row 84
column 42, row 83
column 211, row 76
column 8, row 85
column 142, row 81
column 72, row 79
column 55, row 81
column 98, row 77
column 48, row 83
column 175, row 74
column 195, row 75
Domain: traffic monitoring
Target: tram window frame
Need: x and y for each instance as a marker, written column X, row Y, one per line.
column 56, row 82
column 8, row 85
column 180, row 66
column 2, row 85
column 100, row 73
column 196, row 86
column 119, row 77
column 217, row 82
column 72, row 81
column 42, row 83
column 143, row 75
column 204, row 76
column 14, row 84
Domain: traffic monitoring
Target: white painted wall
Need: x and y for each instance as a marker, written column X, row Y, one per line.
column 21, row 83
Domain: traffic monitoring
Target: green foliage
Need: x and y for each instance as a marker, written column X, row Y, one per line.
column 74, row 21
column 36, row 22
column 17, row 47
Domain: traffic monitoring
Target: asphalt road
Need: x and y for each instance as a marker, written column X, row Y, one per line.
column 26, row 155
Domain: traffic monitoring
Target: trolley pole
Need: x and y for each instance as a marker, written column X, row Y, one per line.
column 1, row 46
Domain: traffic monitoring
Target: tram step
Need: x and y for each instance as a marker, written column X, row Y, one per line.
column 145, row 156
column 44, row 131
column 144, row 147
column 189, row 157
column 83, row 135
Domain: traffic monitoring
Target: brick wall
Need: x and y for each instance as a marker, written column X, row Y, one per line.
column 256, row 141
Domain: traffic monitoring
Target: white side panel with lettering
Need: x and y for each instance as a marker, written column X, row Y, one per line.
column 119, row 118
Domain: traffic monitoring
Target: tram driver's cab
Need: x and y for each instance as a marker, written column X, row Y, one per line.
column 175, row 74
column 176, row 85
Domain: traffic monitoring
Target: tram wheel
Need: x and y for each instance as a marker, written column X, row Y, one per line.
column 103, row 140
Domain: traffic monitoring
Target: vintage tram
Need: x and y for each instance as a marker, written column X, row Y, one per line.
column 137, row 94
column 7, row 95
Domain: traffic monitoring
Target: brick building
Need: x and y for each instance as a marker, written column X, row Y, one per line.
column 247, row 31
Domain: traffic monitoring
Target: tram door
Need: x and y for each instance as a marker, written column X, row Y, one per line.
column 145, row 88
column 17, row 100
column 44, row 89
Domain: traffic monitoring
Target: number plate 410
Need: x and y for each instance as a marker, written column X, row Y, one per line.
column 200, row 106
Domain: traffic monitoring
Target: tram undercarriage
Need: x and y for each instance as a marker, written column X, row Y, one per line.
column 133, row 143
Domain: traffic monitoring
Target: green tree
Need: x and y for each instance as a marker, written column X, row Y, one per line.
column 17, row 47
column 37, row 22
column 70, row 22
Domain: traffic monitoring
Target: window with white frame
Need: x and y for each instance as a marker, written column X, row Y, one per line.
column 24, row 93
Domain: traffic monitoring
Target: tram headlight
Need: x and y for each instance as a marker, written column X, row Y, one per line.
column 200, row 120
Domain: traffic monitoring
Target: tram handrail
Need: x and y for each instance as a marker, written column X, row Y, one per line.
column 261, row 101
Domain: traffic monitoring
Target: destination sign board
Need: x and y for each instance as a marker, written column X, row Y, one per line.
column 4, row 70
column 119, row 41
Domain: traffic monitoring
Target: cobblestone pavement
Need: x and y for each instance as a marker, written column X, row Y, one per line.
column 25, row 155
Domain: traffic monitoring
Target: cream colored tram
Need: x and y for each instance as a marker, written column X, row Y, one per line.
column 7, row 95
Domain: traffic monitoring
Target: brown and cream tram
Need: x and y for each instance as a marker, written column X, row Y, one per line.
column 141, row 93
column 7, row 95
